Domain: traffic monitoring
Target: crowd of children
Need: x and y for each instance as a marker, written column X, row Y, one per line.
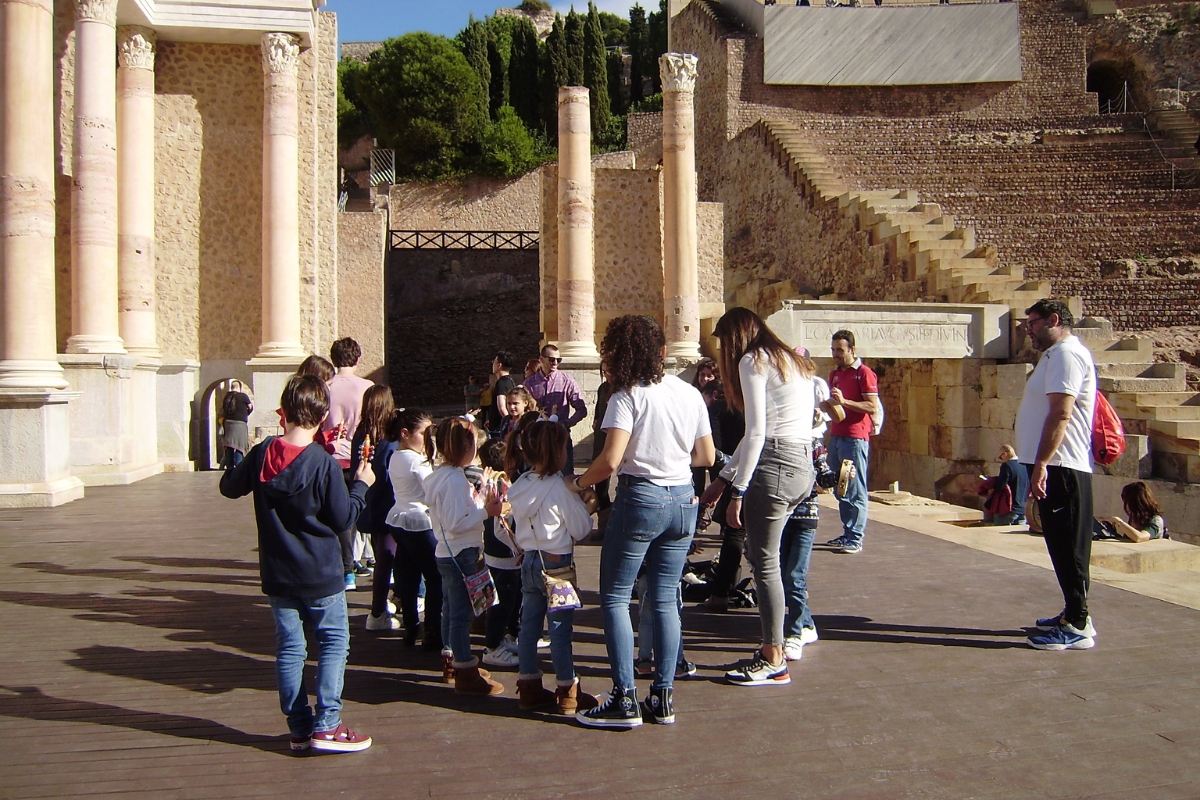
column 465, row 519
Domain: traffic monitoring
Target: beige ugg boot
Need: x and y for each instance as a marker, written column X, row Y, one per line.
column 532, row 693
column 470, row 679
column 571, row 698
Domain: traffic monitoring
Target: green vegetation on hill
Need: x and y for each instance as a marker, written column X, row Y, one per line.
column 487, row 100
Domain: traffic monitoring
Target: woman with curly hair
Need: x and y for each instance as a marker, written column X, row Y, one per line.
column 657, row 429
column 771, row 470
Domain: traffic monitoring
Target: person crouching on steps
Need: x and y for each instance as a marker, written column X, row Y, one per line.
column 301, row 502
column 457, row 512
column 548, row 518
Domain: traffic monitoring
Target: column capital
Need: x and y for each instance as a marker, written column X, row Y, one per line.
column 573, row 94
column 135, row 47
column 96, row 11
column 281, row 53
column 44, row 5
column 678, row 72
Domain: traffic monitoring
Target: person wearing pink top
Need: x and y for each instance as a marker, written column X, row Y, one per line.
column 345, row 398
column 345, row 410
column 558, row 397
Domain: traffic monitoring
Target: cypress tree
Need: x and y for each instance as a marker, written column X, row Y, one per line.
column 637, row 40
column 656, row 28
column 595, row 71
column 523, row 70
column 575, row 48
column 498, row 91
column 473, row 41
column 554, row 75
column 617, row 101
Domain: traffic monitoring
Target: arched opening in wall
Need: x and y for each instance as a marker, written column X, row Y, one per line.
column 1112, row 84
column 210, row 447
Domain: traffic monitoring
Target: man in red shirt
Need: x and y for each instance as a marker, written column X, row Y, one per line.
column 853, row 397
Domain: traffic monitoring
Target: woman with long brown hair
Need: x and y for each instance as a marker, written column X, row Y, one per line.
column 1145, row 517
column 770, row 472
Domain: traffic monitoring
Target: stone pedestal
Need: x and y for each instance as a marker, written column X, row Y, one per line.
column 268, row 376
column 576, row 208
column 114, row 430
column 35, row 440
column 681, row 277
column 177, row 383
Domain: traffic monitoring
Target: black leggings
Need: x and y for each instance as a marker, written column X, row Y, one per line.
column 414, row 559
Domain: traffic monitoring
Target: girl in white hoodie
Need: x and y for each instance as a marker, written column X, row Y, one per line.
column 548, row 518
column 457, row 512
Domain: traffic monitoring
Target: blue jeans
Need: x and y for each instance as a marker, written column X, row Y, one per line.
column 327, row 616
column 654, row 524
column 795, row 552
column 533, row 611
column 853, row 505
column 457, row 612
column 645, row 630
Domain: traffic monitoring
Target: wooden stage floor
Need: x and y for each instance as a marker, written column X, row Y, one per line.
column 137, row 661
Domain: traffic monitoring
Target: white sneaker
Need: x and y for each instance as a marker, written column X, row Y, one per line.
column 793, row 648
column 509, row 643
column 501, row 657
column 383, row 622
column 391, row 607
column 808, row 635
column 543, row 644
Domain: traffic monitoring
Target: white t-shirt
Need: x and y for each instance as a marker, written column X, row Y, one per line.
column 1066, row 368
column 664, row 421
column 775, row 408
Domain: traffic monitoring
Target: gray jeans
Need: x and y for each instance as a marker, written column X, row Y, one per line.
column 783, row 478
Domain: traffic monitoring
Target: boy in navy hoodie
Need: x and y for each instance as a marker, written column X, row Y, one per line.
column 300, row 503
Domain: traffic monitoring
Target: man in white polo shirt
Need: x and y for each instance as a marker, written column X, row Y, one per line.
column 1054, row 430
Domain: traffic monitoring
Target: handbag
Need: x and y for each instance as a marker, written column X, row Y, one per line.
column 559, row 584
column 480, row 588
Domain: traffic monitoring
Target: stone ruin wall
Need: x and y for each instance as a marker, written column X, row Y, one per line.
column 475, row 203
column 208, row 197
column 985, row 121
column 362, row 248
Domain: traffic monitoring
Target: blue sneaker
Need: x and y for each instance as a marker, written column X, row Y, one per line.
column 1064, row 637
column 1050, row 623
column 851, row 547
column 351, row 582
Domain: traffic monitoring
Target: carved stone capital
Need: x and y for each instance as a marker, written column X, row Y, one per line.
column 678, row 72
column 281, row 53
column 97, row 11
column 135, row 47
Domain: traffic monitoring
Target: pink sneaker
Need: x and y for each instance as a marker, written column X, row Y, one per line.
column 339, row 740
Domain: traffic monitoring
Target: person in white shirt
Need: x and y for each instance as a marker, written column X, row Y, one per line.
column 657, row 429
column 1054, row 427
column 770, row 471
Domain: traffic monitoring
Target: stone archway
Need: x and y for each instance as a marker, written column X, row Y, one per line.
column 1113, row 82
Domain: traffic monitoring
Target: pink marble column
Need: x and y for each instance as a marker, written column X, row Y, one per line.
column 681, row 277
column 28, row 357
column 135, row 190
column 281, row 204
column 576, row 208
column 94, row 320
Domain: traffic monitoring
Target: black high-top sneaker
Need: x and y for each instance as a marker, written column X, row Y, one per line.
column 659, row 706
column 617, row 709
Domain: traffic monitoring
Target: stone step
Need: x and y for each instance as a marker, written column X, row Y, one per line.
column 1176, row 429
column 1179, row 467
column 1155, row 369
column 1159, row 399
column 1131, row 349
column 1157, row 378
column 1148, row 413
column 1158, row 555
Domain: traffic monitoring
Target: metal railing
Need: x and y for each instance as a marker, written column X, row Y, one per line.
column 465, row 240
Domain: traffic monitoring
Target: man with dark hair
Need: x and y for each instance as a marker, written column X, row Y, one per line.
column 497, row 411
column 555, row 392
column 1054, row 440
column 853, row 399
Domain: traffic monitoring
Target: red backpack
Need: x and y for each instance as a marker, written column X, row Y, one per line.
column 1108, row 434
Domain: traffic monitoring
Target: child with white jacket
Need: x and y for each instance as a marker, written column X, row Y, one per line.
column 457, row 513
column 548, row 518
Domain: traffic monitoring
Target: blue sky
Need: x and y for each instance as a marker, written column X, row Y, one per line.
column 372, row 20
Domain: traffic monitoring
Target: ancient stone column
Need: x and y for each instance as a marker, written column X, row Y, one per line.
column 576, row 201
column 27, row 341
column 135, row 189
column 281, row 203
column 94, row 322
column 681, row 280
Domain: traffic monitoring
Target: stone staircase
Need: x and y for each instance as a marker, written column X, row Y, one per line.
column 1151, row 397
column 942, row 255
column 1182, row 131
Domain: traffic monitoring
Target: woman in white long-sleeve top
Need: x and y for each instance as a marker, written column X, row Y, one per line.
column 770, row 471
